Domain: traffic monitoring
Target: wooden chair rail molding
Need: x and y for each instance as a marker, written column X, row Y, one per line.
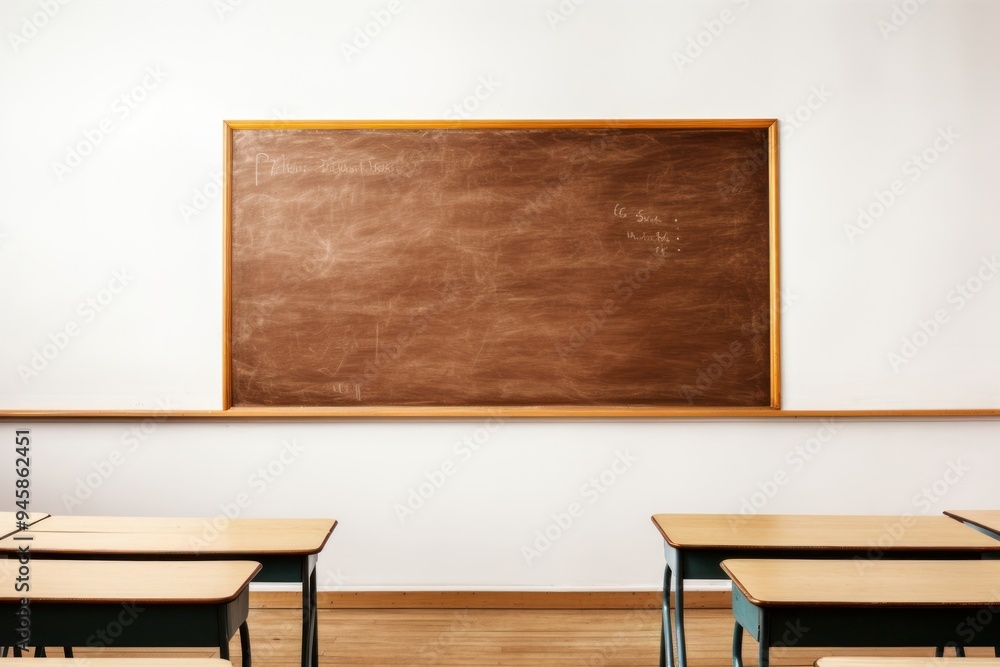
column 473, row 413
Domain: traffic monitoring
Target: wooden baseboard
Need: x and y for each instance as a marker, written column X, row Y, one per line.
column 488, row 600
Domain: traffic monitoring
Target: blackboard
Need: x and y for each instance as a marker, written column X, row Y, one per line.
column 501, row 264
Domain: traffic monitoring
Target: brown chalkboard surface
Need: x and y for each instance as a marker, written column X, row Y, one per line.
column 500, row 264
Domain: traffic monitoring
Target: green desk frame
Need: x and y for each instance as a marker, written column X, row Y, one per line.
column 171, row 624
column 274, row 568
column 823, row 626
column 704, row 563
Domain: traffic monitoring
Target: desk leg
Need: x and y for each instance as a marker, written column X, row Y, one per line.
column 310, row 621
column 737, row 645
column 959, row 651
column 764, row 645
column 245, row 644
column 666, row 632
column 679, row 612
column 306, row 625
column 314, row 613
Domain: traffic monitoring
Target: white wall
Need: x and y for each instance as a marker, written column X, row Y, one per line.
column 111, row 265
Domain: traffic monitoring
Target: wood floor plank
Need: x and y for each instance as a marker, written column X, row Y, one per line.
column 498, row 638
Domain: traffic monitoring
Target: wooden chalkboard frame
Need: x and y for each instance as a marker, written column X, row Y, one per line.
column 611, row 410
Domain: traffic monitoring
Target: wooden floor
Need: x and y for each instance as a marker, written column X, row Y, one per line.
column 469, row 638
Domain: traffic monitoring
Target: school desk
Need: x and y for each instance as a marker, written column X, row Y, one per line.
column 9, row 523
column 128, row 603
column 287, row 549
column 695, row 545
column 793, row 602
column 892, row 661
column 137, row 662
column 985, row 521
